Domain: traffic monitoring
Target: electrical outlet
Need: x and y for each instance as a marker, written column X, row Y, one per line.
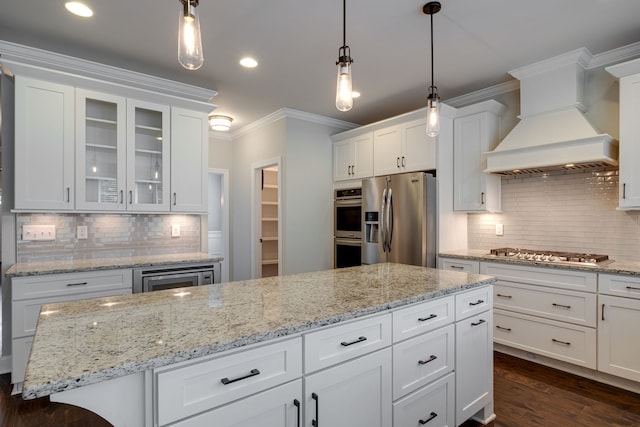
column 82, row 232
column 175, row 230
column 38, row 232
column 499, row 229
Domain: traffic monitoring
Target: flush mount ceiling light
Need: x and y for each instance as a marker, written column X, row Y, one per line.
column 433, row 100
column 79, row 9
column 344, row 97
column 220, row 123
column 248, row 62
column 190, row 52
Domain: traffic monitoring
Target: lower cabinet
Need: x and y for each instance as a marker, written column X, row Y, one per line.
column 354, row 394
column 431, row 406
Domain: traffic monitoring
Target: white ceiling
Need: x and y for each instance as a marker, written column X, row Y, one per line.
column 296, row 43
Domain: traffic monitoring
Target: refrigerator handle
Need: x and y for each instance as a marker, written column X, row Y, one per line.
column 389, row 220
column 382, row 228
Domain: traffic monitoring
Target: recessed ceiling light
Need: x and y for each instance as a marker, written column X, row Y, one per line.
column 79, row 9
column 355, row 94
column 248, row 62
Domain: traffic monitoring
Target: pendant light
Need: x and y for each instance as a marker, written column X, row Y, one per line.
column 189, row 38
column 344, row 98
column 433, row 100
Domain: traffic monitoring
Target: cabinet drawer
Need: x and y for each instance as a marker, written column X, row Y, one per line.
column 432, row 405
column 473, row 302
column 621, row 286
column 576, row 280
column 53, row 285
column 466, row 265
column 195, row 388
column 20, row 350
column 25, row 312
column 562, row 341
column 422, row 359
column 273, row 407
column 340, row 343
column 424, row 317
column 557, row 304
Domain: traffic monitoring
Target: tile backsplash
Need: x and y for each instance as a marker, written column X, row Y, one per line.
column 117, row 235
column 566, row 211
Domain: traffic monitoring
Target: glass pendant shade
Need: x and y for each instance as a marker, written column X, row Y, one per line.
column 344, row 97
column 433, row 115
column 190, row 52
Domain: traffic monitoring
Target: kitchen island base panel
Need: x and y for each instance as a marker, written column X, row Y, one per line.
column 591, row 374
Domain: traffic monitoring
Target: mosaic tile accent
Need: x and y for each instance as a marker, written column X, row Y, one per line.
column 565, row 211
column 109, row 236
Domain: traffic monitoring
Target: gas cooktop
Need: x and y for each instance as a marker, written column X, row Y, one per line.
column 538, row 255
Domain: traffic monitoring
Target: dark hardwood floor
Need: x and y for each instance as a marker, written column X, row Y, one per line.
column 526, row 395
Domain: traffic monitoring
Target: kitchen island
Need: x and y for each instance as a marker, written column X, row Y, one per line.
column 111, row 355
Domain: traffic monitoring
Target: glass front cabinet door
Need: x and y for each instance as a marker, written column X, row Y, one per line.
column 121, row 153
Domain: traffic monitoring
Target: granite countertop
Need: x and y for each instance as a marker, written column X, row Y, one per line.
column 78, row 265
column 84, row 342
column 631, row 268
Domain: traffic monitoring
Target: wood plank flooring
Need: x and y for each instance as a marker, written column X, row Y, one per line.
column 526, row 395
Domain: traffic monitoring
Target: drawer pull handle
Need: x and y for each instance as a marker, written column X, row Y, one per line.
column 560, row 342
column 504, row 296
column 315, row 422
column 252, row 373
column 458, row 267
column 431, row 416
column 77, row 284
column 561, row 306
column 347, row 344
column 633, row 288
column 477, row 302
column 479, row 322
column 503, row 328
column 429, row 317
column 296, row 403
column 602, row 311
column 430, row 359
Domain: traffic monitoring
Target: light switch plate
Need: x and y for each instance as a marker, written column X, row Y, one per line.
column 82, row 232
column 175, row 230
column 38, row 232
column 499, row 229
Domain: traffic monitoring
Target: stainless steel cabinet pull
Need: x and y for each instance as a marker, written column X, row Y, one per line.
column 503, row 328
column 296, row 403
column 316, row 422
column 347, row 344
column 632, row 288
column 482, row 198
column 561, row 305
column 431, row 416
column 429, row 317
column 251, row 373
column 477, row 302
column 479, row 322
column 504, row 296
column 430, row 359
column 560, row 342
column 130, row 197
column 77, row 284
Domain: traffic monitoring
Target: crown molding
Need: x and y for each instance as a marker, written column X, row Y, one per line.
column 56, row 62
column 483, row 94
column 614, row 56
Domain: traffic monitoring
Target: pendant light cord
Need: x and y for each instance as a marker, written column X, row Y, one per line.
column 431, row 14
column 344, row 23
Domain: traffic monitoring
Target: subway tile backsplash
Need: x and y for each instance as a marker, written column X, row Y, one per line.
column 572, row 211
column 117, row 235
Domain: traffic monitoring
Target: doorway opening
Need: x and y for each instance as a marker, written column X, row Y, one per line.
column 267, row 259
column 218, row 218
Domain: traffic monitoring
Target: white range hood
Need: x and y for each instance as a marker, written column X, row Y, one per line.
column 553, row 132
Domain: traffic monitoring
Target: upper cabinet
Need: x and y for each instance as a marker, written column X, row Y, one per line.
column 476, row 131
column 353, row 158
column 629, row 149
column 44, row 145
column 403, row 148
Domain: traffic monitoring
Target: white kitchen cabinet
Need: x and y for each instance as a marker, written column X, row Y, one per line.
column 189, row 160
column 476, row 131
column 30, row 293
column 474, row 355
column 431, row 406
column 44, row 145
column 618, row 344
column 354, row 394
column 629, row 149
column 353, row 157
column 403, row 148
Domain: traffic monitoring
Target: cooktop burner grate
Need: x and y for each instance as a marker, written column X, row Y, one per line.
column 549, row 256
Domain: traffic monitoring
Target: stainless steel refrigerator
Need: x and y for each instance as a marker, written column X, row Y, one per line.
column 399, row 214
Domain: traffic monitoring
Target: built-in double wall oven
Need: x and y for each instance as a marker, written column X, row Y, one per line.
column 347, row 227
